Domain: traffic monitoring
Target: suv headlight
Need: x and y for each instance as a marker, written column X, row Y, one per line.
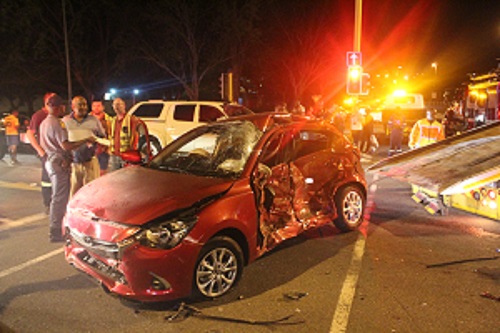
column 168, row 234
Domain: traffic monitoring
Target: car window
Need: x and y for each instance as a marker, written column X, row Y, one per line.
column 184, row 112
column 209, row 113
column 277, row 150
column 149, row 110
column 310, row 142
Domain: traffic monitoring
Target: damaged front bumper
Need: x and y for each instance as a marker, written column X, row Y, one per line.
column 136, row 272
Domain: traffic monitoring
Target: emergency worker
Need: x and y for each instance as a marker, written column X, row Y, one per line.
column 102, row 152
column 54, row 141
column 12, row 135
column 426, row 131
column 123, row 134
column 395, row 126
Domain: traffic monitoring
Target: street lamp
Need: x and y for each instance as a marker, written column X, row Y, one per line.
column 136, row 92
column 435, row 66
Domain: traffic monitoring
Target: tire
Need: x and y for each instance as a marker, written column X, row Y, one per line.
column 218, row 268
column 350, row 204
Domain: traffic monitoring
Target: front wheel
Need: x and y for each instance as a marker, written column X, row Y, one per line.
column 350, row 203
column 218, row 268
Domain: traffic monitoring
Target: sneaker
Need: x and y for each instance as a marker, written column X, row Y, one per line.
column 10, row 163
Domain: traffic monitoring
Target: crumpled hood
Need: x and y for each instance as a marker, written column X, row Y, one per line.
column 136, row 195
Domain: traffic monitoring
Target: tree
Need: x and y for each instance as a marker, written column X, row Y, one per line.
column 189, row 40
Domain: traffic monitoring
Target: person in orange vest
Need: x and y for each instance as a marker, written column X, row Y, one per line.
column 426, row 131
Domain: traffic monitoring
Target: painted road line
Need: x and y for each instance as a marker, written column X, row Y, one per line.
column 25, row 220
column 341, row 316
column 20, row 186
column 30, row 263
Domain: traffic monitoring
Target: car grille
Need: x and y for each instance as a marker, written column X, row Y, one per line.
column 102, row 267
column 101, row 248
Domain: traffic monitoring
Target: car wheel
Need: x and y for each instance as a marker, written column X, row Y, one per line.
column 218, row 268
column 350, row 203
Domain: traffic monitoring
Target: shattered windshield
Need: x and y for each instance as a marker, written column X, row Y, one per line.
column 218, row 150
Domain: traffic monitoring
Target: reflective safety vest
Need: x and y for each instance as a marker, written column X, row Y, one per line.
column 126, row 138
column 424, row 133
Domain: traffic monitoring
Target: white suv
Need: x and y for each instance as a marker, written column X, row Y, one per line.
column 167, row 120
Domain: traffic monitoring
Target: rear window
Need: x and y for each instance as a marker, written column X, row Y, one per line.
column 184, row 112
column 149, row 110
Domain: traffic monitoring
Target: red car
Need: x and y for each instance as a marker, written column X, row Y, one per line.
column 211, row 202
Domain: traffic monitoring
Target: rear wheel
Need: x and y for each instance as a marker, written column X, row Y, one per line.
column 218, row 268
column 350, row 203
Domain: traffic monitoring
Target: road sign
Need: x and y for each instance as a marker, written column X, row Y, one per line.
column 353, row 59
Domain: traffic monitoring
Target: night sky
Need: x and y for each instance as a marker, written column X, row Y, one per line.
column 462, row 36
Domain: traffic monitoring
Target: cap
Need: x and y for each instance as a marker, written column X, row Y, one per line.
column 54, row 100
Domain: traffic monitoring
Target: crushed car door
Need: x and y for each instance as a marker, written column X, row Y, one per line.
column 315, row 166
column 274, row 192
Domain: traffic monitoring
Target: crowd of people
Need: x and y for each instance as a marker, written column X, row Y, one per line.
column 74, row 148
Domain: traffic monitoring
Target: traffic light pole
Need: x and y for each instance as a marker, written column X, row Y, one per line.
column 357, row 25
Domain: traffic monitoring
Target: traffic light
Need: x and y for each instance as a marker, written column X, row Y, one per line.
column 354, row 76
column 226, row 87
column 222, row 86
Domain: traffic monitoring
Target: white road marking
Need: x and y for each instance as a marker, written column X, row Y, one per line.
column 344, row 303
column 25, row 220
column 20, row 186
column 30, row 262
column 341, row 316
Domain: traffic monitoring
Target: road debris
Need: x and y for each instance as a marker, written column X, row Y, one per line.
column 185, row 311
column 490, row 296
column 456, row 262
column 295, row 295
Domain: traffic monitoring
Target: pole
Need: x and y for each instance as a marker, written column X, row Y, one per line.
column 66, row 48
column 357, row 25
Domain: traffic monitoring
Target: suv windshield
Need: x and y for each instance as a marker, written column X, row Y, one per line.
column 217, row 150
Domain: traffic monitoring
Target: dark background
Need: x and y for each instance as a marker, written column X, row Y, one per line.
column 278, row 50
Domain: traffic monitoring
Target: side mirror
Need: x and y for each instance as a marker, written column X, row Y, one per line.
column 131, row 156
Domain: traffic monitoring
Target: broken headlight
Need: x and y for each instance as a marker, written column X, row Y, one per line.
column 168, row 234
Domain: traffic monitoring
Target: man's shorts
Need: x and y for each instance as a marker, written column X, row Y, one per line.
column 12, row 140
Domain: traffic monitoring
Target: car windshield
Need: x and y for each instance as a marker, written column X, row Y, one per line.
column 217, row 150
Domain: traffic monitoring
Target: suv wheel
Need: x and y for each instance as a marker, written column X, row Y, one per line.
column 218, row 268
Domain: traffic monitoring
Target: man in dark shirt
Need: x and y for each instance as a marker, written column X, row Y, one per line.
column 33, row 134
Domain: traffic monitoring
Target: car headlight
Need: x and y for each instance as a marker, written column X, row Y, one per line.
column 168, row 234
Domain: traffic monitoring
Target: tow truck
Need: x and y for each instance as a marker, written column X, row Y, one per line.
column 462, row 172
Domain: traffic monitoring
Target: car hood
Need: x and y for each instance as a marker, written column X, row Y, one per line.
column 136, row 195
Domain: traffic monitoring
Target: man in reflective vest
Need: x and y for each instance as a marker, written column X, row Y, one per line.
column 123, row 134
column 426, row 131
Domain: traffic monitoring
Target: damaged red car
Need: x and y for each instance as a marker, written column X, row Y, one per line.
column 211, row 202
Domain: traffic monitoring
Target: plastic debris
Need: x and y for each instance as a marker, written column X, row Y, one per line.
column 184, row 311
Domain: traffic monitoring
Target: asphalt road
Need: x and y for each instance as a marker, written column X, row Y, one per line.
column 380, row 279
